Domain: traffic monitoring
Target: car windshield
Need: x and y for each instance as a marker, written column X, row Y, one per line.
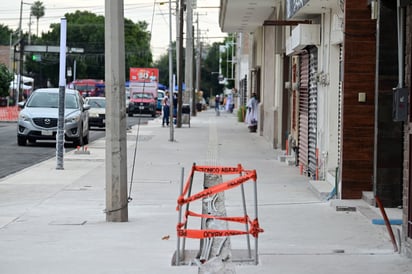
column 51, row 100
column 141, row 95
column 96, row 103
column 82, row 88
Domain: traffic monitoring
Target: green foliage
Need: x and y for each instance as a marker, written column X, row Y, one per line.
column 37, row 10
column 209, row 73
column 5, row 79
column 137, row 45
column 5, row 35
column 86, row 30
column 163, row 65
column 209, row 83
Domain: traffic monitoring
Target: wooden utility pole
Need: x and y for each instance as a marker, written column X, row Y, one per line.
column 198, row 57
column 189, row 54
column 116, row 149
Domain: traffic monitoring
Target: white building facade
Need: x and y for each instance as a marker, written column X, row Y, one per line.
column 294, row 66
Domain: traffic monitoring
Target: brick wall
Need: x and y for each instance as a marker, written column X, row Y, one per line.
column 5, row 55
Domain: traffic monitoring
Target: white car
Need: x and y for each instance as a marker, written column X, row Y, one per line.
column 39, row 116
column 97, row 111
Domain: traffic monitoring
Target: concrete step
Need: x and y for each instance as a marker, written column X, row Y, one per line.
column 322, row 189
column 368, row 197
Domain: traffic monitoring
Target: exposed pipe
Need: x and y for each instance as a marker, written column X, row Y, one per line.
column 388, row 226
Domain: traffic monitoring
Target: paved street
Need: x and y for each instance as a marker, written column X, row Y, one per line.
column 53, row 221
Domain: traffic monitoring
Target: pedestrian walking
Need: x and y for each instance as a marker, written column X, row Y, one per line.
column 229, row 103
column 251, row 114
column 166, row 110
column 217, row 105
column 175, row 107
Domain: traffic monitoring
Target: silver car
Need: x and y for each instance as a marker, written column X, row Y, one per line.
column 39, row 115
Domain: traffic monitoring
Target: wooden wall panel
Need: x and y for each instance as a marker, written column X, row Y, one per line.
column 358, row 118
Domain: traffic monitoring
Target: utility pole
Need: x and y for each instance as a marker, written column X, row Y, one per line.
column 30, row 29
column 171, row 85
column 19, row 68
column 188, row 98
column 198, row 55
column 116, row 149
column 180, row 67
column 177, row 43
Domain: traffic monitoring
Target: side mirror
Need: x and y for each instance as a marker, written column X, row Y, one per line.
column 86, row 107
column 21, row 104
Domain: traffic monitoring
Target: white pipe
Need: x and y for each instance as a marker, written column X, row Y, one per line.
column 62, row 71
column 62, row 85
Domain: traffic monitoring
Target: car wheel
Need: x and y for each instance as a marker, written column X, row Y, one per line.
column 21, row 140
column 130, row 114
column 154, row 113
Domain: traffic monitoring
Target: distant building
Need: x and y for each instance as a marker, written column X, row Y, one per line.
column 5, row 55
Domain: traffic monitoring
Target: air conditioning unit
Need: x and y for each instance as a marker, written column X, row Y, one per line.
column 288, row 46
column 304, row 35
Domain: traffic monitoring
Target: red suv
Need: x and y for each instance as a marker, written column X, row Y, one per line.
column 142, row 103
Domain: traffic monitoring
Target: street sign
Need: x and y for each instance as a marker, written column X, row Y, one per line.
column 76, row 50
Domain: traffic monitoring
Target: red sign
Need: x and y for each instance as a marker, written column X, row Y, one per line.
column 144, row 74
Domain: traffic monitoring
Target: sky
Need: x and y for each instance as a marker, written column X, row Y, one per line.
column 151, row 11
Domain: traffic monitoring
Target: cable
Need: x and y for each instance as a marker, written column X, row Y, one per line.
column 134, row 160
column 129, row 198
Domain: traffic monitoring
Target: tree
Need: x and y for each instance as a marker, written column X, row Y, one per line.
column 209, row 72
column 37, row 10
column 163, row 65
column 209, row 83
column 5, row 35
column 5, row 79
column 86, row 30
column 137, row 45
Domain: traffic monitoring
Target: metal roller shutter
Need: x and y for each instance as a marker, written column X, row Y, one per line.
column 313, row 113
column 303, row 110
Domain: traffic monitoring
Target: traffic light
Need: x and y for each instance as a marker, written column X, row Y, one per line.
column 36, row 57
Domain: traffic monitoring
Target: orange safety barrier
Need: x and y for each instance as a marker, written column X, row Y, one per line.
column 245, row 175
column 9, row 113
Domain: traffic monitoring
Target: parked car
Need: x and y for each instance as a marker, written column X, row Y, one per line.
column 127, row 99
column 142, row 103
column 97, row 111
column 39, row 117
column 160, row 96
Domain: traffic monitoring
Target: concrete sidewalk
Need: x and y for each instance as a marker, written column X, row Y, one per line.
column 53, row 221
